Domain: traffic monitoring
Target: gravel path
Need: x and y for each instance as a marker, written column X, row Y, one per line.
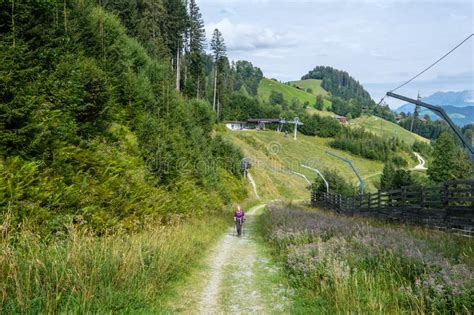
column 238, row 278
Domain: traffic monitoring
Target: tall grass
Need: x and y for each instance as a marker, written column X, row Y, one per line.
column 83, row 273
column 345, row 265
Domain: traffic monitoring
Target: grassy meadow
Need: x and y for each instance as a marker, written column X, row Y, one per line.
column 274, row 156
column 83, row 273
column 340, row 265
column 323, row 113
column 289, row 93
column 384, row 128
column 313, row 84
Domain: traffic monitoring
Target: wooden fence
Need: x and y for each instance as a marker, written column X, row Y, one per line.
column 447, row 206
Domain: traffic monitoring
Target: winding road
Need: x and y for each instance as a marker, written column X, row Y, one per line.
column 421, row 163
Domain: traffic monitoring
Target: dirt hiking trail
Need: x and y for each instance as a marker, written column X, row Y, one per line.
column 237, row 277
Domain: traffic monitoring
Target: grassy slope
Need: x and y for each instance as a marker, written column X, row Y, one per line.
column 313, row 84
column 289, row 92
column 129, row 273
column 386, row 128
column 374, row 124
column 312, row 110
column 270, row 170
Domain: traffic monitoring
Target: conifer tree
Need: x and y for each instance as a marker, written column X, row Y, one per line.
column 319, row 102
column 449, row 162
column 387, row 176
column 219, row 52
column 197, row 38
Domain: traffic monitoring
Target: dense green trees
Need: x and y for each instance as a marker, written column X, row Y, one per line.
column 91, row 128
column 468, row 131
column 348, row 96
column 339, row 83
column 343, row 107
column 315, row 125
column 276, row 98
column 393, row 178
column 242, row 107
column 425, row 149
column 247, row 76
column 427, row 128
column 449, row 161
column 368, row 145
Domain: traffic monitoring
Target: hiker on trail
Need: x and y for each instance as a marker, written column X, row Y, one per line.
column 239, row 219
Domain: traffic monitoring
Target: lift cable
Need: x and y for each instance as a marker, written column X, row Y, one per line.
column 429, row 67
column 434, row 63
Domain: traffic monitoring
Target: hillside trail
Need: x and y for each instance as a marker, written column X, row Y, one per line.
column 254, row 185
column 421, row 163
column 238, row 277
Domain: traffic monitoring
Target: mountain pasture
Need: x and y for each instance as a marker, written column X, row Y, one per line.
column 275, row 158
column 385, row 128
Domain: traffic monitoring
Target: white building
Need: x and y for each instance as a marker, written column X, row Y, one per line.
column 237, row 125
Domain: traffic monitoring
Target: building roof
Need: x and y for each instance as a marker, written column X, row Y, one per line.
column 264, row 120
column 235, row 122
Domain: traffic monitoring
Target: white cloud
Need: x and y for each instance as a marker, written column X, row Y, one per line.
column 247, row 37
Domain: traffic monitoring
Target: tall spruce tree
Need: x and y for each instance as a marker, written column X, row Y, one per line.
column 149, row 29
column 174, row 26
column 197, row 39
column 449, row 161
column 219, row 52
column 387, row 177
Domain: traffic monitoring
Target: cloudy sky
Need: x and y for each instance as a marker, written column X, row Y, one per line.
column 381, row 43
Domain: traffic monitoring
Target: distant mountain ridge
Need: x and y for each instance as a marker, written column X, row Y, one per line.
column 458, row 105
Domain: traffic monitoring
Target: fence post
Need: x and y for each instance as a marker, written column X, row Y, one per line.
column 422, row 198
column 404, row 196
column 404, row 203
column 354, row 199
column 446, row 202
column 369, row 202
column 379, row 200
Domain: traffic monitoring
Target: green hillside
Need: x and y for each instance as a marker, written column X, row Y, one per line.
column 386, row 128
column 289, row 92
column 273, row 156
column 314, row 85
column 323, row 113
